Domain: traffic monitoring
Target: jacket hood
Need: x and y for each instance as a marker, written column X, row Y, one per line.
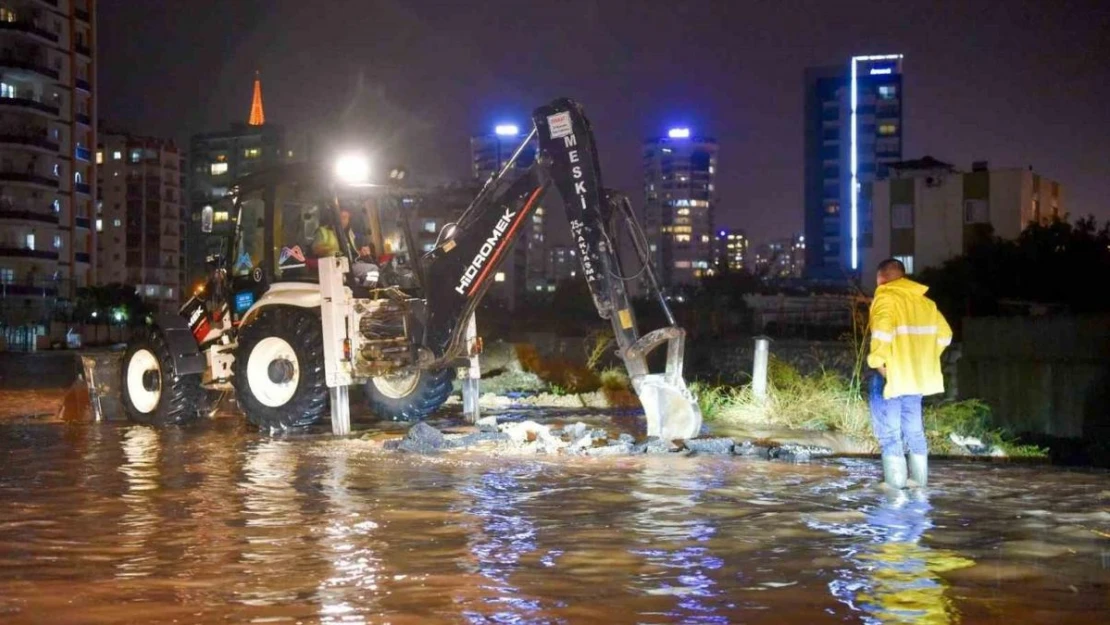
column 904, row 285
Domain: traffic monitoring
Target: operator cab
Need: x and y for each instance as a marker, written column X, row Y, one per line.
column 287, row 218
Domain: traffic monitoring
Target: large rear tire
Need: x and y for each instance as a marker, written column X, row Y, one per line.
column 409, row 396
column 151, row 393
column 279, row 369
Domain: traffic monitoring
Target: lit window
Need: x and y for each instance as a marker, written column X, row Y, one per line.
column 57, row 170
column 116, row 223
column 77, row 177
column 57, row 241
column 901, row 216
column 135, row 156
column 117, row 155
column 427, row 247
column 221, row 158
column 220, row 217
column 429, row 225
column 252, row 152
column 218, row 168
column 888, row 129
column 705, row 238
column 29, row 240
column 907, row 261
column 499, row 276
column 7, row 90
column 100, row 225
column 888, row 92
column 7, row 275
column 99, row 157
column 683, row 211
column 681, row 264
column 682, row 238
column 56, row 206
column 666, row 150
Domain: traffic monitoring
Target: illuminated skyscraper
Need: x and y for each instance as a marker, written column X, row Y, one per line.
column 853, row 130
column 680, row 198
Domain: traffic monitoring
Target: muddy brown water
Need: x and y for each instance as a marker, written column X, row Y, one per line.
column 113, row 523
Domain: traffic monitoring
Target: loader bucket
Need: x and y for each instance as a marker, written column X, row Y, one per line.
column 102, row 375
column 670, row 408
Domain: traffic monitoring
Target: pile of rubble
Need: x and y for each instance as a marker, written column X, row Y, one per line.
column 580, row 439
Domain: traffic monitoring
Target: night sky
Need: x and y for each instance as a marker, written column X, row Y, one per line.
column 1014, row 83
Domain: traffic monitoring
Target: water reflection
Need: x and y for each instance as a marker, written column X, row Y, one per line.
column 140, row 519
column 501, row 535
column 353, row 585
column 895, row 577
column 675, row 540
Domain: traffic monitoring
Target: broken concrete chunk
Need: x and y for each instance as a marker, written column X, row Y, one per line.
column 793, row 452
column 487, row 424
column 422, row 439
column 654, row 445
column 625, row 437
column 750, row 449
column 618, row 449
column 710, row 445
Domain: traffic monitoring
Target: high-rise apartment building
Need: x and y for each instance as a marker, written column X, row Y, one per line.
column 139, row 219
column 216, row 160
column 853, row 130
column 680, row 193
column 47, row 171
column 731, row 250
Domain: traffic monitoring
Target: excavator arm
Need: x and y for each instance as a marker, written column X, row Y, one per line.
column 461, row 268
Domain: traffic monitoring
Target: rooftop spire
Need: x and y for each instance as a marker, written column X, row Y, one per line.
column 257, row 116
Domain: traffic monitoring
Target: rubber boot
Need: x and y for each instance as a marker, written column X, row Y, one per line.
column 894, row 471
column 919, row 469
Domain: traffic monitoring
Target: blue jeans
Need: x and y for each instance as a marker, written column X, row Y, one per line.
column 896, row 421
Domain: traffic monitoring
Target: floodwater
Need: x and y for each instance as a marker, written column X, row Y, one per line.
column 112, row 523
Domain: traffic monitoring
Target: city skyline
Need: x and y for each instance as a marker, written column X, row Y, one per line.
column 986, row 84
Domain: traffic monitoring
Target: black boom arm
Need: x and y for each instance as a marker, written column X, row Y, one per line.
column 461, row 268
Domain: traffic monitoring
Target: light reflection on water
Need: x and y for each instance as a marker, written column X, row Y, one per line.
column 108, row 523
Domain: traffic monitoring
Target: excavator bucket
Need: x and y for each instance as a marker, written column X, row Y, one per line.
column 670, row 409
column 102, row 375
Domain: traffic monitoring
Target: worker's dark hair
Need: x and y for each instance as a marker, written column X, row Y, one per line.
column 892, row 266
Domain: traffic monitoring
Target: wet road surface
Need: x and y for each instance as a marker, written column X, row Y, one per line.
column 112, row 523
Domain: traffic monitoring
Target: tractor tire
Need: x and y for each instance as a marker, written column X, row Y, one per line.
column 278, row 372
column 409, row 397
column 151, row 393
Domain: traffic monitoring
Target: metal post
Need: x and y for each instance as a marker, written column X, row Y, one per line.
column 470, row 381
column 759, row 367
column 340, row 410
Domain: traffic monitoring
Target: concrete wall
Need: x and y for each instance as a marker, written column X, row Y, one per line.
column 1047, row 375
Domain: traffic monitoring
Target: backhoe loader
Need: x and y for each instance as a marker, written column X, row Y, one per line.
column 290, row 329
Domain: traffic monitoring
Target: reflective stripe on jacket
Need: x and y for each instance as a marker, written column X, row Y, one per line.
column 908, row 335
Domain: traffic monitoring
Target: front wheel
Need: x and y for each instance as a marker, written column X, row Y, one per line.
column 409, row 396
column 279, row 369
column 152, row 393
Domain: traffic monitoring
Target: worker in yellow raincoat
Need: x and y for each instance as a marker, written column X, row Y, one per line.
column 908, row 335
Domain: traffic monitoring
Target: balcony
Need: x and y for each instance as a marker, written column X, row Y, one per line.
column 82, row 84
column 28, row 177
column 81, row 14
column 82, row 187
column 29, row 103
column 83, row 154
column 82, row 257
column 22, row 252
column 30, row 28
column 42, row 289
column 28, row 65
column 82, row 49
column 25, row 215
column 26, row 139
column 83, row 119
column 83, row 222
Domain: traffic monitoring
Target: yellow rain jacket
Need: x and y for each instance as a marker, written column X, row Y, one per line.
column 908, row 334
